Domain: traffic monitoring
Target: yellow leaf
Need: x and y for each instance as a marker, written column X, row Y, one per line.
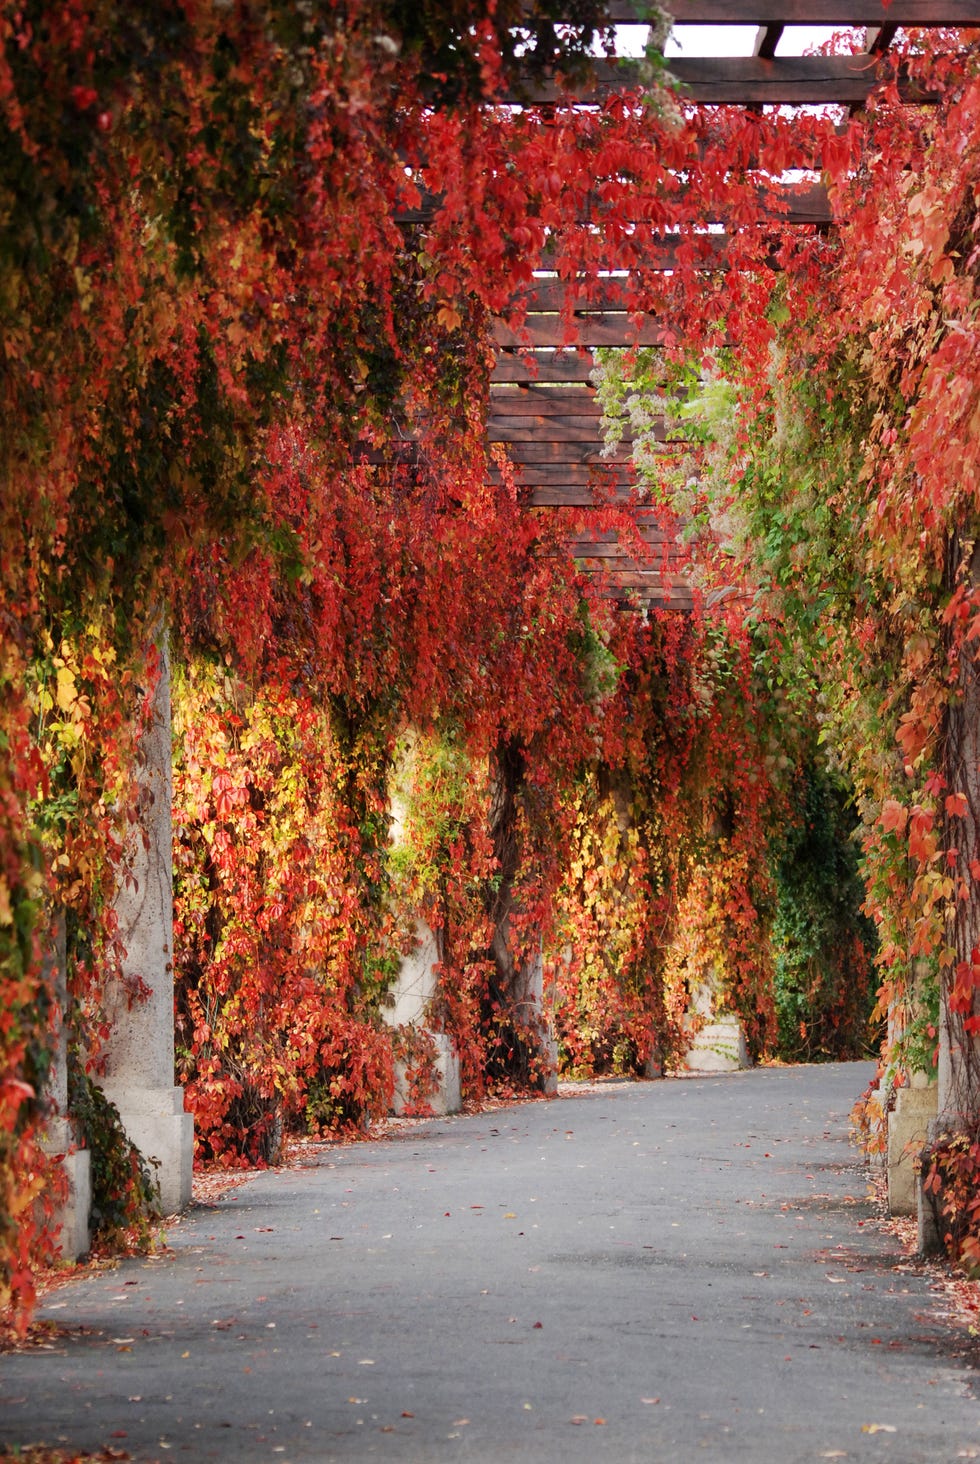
column 66, row 691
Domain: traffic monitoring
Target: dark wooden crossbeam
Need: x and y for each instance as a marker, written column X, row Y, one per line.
column 578, row 485
column 740, row 80
column 600, row 329
column 544, row 366
column 789, row 203
column 605, row 293
column 580, row 495
column 581, row 453
column 767, row 38
column 807, row 12
column 607, row 542
column 788, row 80
column 511, row 403
column 526, row 431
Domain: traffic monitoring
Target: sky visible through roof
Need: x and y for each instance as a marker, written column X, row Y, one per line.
column 738, row 40
column 721, row 40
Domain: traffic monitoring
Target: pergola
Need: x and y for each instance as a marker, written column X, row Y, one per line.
column 543, row 405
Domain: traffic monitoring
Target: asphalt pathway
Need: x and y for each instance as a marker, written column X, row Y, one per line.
column 636, row 1272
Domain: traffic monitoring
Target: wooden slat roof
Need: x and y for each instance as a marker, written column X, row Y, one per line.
column 551, row 430
column 542, row 406
column 543, row 409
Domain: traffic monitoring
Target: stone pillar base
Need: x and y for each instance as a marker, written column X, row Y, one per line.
column 447, row 1097
column 719, row 1047
column 155, row 1121
column 71, row 1217
column 930, row 1226
column 654, row 1066
column 549, row 1058
column 907, row 1128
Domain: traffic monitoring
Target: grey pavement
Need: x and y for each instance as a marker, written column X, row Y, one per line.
column 677, row 1270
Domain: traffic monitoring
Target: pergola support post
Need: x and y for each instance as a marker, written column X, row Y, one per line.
column 71, row 1213
column 139, row 1068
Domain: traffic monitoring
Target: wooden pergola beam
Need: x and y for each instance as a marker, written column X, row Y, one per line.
column 781, row 204
column 537, row 402
column 767, row 38
column 806, row 12
column 578, row 495
column 610, row 293
column 581, row 453
column 737, row 80
column 526, row 431
column 556, row 366
column 877, row 38
column 598, row 329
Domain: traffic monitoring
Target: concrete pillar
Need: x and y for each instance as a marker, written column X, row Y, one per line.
column 139, row 1071
column 718, row 1044
column 718, row 1047
column 956, row 1074
column 537, row 1005
column 908, row 1125
column 409, row 1010
column 71, row 1215
column 959, row 1044
column 530, row 1005
column 446, row 1097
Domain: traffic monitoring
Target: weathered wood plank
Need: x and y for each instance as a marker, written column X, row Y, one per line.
column 522, row 431
column 530, row 455
column 613, row 557
column 557, row 366
column 789, row 80
column 555, row 295
column 578, row 495
column 550, row 475
column 651, row 532
column 599, row 329
column 806, row 12
column 791, row 203
column 738, row 81
column 508, row 402
column 612, row 292
column 767, row 38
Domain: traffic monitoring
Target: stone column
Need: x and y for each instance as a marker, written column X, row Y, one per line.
column 718, row 1044
column 915, row 1106
column 408, row 1009
column 908, row 1126
column 959, row 1044
column 139, row 1072
column 529, row 1007
column 72, row 1213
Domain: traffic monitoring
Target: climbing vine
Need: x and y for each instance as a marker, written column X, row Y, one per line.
column 246, row 287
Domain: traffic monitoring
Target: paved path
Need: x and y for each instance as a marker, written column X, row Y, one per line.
column 639, row 1272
